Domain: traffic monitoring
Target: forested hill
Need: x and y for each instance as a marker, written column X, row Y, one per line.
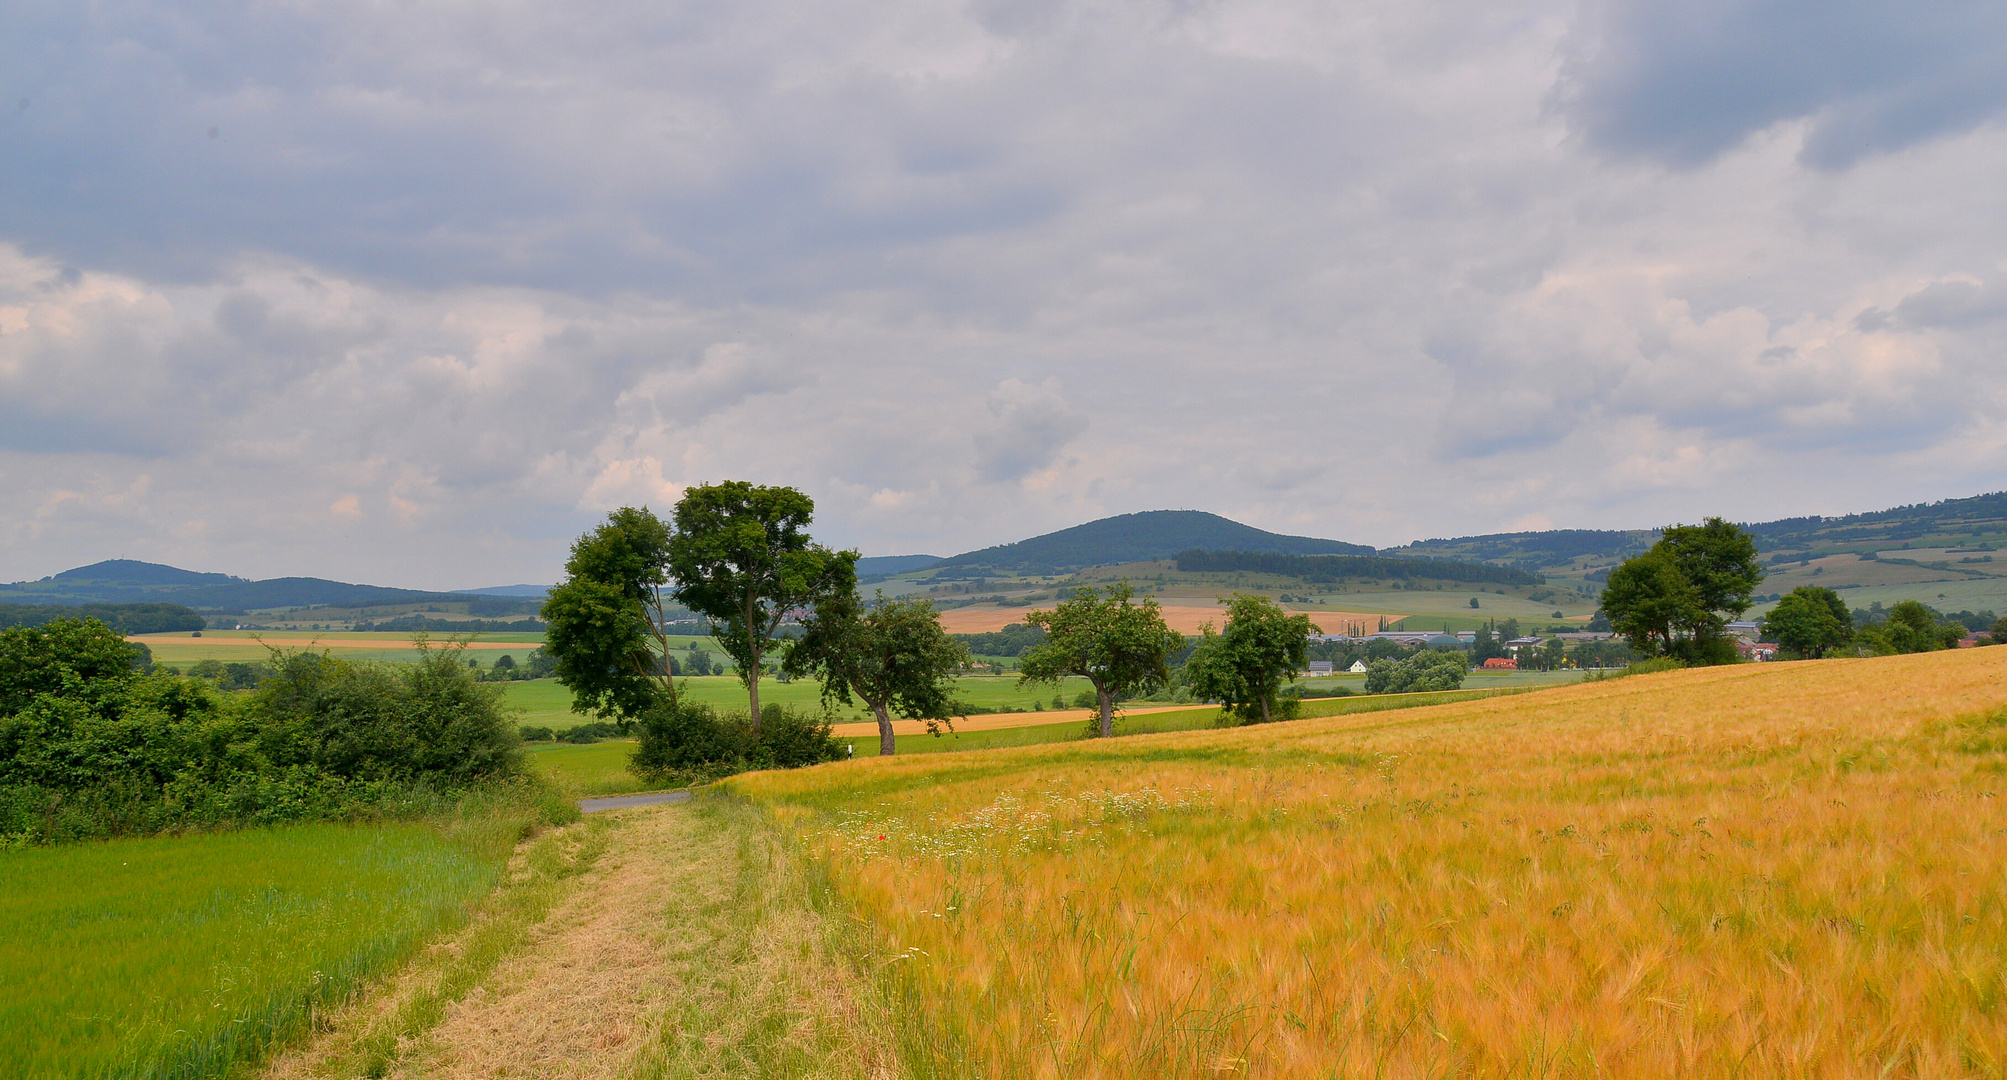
column 1950, row 521
column 127, row 581
column 1153, row 534
column 125, row 618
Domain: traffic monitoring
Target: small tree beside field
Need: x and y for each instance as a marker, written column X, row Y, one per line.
column 1121, row 647
column 894, row 656
column 1244, row 666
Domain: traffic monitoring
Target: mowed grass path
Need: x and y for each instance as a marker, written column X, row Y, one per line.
column 175, row 956
column 1762, row 870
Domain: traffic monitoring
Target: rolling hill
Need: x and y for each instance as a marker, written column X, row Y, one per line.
column 1132, row 538
column 1949, row 522
column 129, row 581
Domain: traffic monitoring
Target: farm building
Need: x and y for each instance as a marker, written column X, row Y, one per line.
column 1755, row 650
column 1320, row 667
column 1501, row 663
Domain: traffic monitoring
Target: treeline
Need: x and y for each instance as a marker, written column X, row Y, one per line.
column 408, row 624
column 1012, row 640
column 124, row 618
column 1329, row 569
column 92, row 745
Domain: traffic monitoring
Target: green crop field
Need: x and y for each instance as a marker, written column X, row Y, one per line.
column 175, row 956
column 546, row 703
column 1973, row 594
column 594, row 769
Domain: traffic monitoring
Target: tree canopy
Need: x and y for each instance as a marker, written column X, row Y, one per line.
column 1244, row 666
column 1426, row 670
column 1119, row 646
column 1911, row 627
column 1811, row 621
column 892, row 655
column 1675, row 600
column 606, row 632
column 741, row 556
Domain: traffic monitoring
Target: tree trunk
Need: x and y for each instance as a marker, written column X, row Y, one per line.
column 1107, row 713
column 887, row 745
column 1265, row 718
column 753, row 640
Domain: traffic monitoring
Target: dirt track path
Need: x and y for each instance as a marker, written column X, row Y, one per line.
column 684, row 945
column 573, row 1005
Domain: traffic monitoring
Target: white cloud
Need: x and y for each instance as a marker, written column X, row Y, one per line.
column 450, row 280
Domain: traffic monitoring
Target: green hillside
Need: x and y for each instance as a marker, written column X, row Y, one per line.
column 1134, row 538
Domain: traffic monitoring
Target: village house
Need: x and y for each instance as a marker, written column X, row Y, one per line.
column 1755, row 650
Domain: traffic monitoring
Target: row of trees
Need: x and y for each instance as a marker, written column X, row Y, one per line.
column 741, row 556
column 1813, row 622
column 1676, row 600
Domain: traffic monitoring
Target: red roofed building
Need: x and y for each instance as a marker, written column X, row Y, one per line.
column 1500, row 663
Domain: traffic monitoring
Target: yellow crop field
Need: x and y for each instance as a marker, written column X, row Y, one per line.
column 1777, row 870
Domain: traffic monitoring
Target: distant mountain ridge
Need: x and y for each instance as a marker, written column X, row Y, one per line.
column 874, row 567
column 1141, row 537
column 1946, row 520
column 129, row 581
column 1126, row 538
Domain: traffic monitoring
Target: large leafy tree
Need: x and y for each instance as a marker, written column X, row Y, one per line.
column 1244, row 666
column 1810, row 621
column 1718, row 558
column 1651, row 604
column 1120, row 646
column 607, row 634
column 1676, row 599
column 892, row 655
column 741, row 556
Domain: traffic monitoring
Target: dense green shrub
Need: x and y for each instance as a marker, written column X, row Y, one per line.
column 430, row 719
column 91, row 747
column 687, row 741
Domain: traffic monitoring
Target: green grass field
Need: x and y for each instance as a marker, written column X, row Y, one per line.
column 594, row 769
column 546, row 703
column 177, row 956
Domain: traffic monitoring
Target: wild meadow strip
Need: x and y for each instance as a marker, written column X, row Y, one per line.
column 1794, row 870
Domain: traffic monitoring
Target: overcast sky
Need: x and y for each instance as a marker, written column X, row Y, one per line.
column 413, row 293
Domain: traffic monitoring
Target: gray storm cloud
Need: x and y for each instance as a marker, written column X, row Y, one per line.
column 410, row 294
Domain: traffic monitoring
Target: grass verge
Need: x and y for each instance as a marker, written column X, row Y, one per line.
column 185, row 956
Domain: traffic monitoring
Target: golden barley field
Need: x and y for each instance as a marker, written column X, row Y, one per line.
column 1779, row 870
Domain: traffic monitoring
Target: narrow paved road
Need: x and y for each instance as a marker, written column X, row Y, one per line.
column 593, row 806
